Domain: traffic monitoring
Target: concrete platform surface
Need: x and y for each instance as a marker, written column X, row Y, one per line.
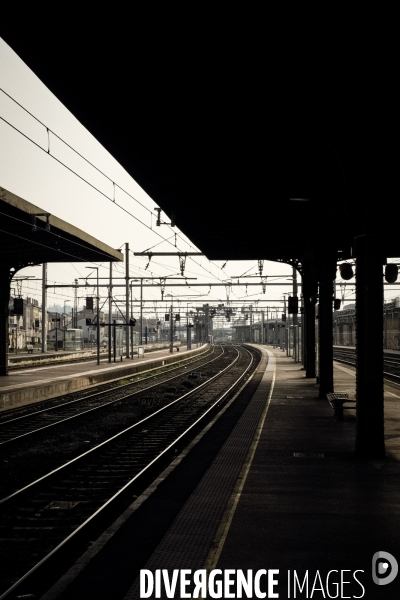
column 33, row 384
column 285, row 505
column 301, row 504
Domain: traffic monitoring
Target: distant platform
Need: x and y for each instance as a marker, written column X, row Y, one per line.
column 34, row 384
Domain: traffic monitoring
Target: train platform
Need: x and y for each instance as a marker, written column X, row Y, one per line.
column 37, row 383
column 284, row 505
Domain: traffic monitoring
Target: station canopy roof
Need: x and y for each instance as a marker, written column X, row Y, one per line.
column 30, row 235
column 259, row 148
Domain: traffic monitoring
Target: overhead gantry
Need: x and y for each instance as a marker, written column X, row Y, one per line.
column 259, row 155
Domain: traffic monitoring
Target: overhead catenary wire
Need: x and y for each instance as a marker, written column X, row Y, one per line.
column 85, row 180
column 71, row 148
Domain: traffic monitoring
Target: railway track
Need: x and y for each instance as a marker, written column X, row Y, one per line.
column 27, row 421
column 391, row 361
column 63, row 507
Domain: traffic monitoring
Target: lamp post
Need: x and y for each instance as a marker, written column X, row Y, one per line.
column 131, row 328
column 64, row 324
column 56, row 331
column 189, row 329
column 97, row 314
column 287, row 324
column 171, row 326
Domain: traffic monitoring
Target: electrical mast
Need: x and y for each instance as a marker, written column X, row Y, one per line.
column 75, row 316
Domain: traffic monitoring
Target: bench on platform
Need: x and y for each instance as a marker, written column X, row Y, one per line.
column 29, row 347
column 338, row 401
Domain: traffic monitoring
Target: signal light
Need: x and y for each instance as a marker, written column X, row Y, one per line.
column 167, row 316
column 346, row 271
column 336, row 303
column 88, row 321
column 132, row 322
column 391, row 272
column 293, row 305
column 89, row 303
column 18, row 306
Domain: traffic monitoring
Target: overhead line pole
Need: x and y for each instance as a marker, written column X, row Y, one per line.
column 97, row 315
column 110, row 314
column 131, row 328
column 44, row 304
column 141, row 312
column 98, row 318
column 127, row 298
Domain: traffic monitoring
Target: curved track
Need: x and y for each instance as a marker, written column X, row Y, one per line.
column 43, row 518
column 32, row 420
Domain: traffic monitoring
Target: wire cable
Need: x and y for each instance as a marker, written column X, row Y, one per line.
column 90, row 184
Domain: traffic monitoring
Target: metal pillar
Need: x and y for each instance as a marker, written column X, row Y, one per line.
column 141, row 313
column 114, row 339
column 189, row 331
column 97, row 318
column 325, row 310
column 127, row 298
column 369, row 348
column 287, row 326
column 56, row 331
column 131, row 328
column 302, row 330
column 110, row 331
column 44, row 305
column 262, row 328
column 295, row 320
column 4, row 301
column 309, row 293
column 171, row 331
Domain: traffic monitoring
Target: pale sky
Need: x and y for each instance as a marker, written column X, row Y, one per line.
column 26, row 169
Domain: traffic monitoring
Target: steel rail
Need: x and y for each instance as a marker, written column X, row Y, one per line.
column 348, row 356
column 114, row 437
column 90, row 398
column 116, row 496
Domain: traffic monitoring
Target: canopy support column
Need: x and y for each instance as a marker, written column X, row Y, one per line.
column 4, row 302
column 310, row 298
column 369, row 348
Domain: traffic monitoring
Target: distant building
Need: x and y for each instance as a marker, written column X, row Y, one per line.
column 86, row 321
column 25, row 328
